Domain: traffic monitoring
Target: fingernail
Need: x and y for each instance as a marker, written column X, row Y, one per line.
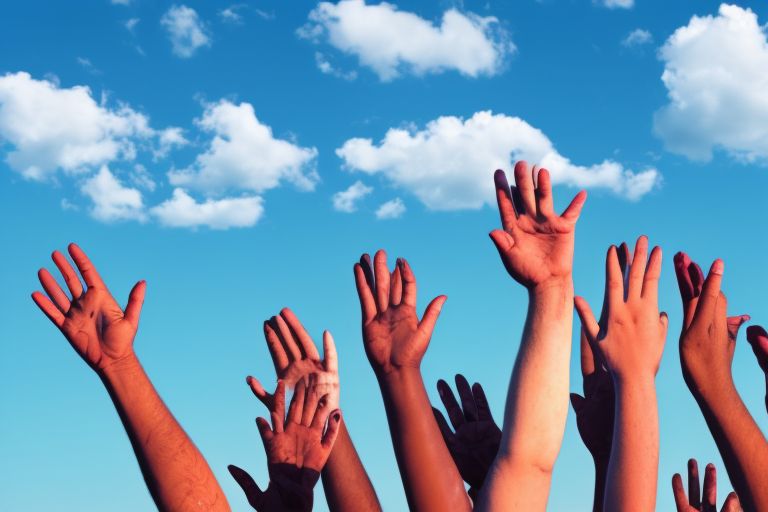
column 717, row 267
column 337, row 416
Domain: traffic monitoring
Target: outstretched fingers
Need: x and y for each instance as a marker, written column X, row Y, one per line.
column 409, row 282
column 259, row 392
column 365, row 294
column 382, row 280
column 69, row 274
column 86, row 268
column 54, row 291
column 252, row 492
column 451, row 405
column 504, row 200
column 427, row 324
column 544, row 205
column 483, row 409
column 300, row 334
column 706, row 307
column 525, row 187
column 330, row 357
column 467, row 398
column 49, row 309
column 276, row 349
column 332, row 432
column 135, row 302
column 573, row 211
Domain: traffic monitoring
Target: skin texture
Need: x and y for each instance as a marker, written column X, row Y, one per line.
column 345, row 481
column 630, row 339
column 297, row 446
column 758, row 339
column 536, row 247
column 696, row 503
column 475, row 440
column 707, row 344
column 102, row 334
column 395, row 342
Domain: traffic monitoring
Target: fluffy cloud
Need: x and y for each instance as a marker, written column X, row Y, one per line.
column 54, row 128
column 637, row 37
column 245, row 155
column 169, row 139
column 391, row 209
column 111, row 200
column 185, row 30
column 448, row 164
column 346, row 200
column 617, row 4
column 183, row 211
column 716, row 75
column 390, row 41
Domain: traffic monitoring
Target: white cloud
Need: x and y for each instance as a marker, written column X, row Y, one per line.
column 231, row 14
column 325, row 67
column 637, row 37
column 716, row 75
column 391, row 209
column 121, row 2
column 141, row 178
column 448, row 165
column 390, row 41
column 111, row 200
column 131, row 23
column 245, row 155
column 185, row 30
column 170, row 138
column 182, row 211
column 617, row 4
column 54, row 128
column 346, row 200
column 68, row 205
column 88, row 66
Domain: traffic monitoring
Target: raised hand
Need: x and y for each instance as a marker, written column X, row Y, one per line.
column 476, row 439
column 91, row 320
column 758, row 338
column 297, row 446
column 630, row 339
column 535, row 244
column 693, row 502
column 394, row 336
column 708, row 338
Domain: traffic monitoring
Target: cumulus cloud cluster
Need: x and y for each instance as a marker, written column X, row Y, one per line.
column 446, row 164
column 390, row 41
column 186, row 30
column 716, row 75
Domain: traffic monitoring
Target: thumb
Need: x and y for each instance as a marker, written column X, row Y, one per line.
column 577, row 401
column 431, row 314
column 502, row 240
column 734, row 323
column 135, row 301
column 253, row 494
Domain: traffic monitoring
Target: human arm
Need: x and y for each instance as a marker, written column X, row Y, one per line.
column 707, row 500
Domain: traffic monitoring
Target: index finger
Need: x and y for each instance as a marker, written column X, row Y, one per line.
column 86, row 268
column 310, row 350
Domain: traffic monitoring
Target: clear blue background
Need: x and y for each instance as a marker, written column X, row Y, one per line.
column 61, row 444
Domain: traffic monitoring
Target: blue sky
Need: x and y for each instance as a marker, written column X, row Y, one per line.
column 214, row 136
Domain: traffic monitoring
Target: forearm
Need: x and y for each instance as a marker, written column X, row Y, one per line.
column 634, row 463
column 430, row 478
column 345, row 481
column 176, row 474
column 741, row 444
column 601, row 476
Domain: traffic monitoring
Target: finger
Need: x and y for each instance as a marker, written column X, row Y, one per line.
column 451, row 405
column 573, row 211
column 693, row 484
column 334, row 423
column 286, row 338
column 483, row 409
column 264, row 431
column 445, row 430
column 467, row 399
column 259, row 392
column 53, row 290
column 544, row 206
column 311, row 401
column 409, row 282
column 504, row 200
column 664, row 320
column 278, row 413
column 697, row 278
column 367, row 302
column 382, row 280
column 758, row 339
column 252, row 492
column 300, row 334
column 652, row 275
column 296, row 409
column 69, row 274
column 135, row 302
column 734, row 323
column 321, row 413
column 276, row 349
column 86, row 268
column 331, row 360
column 682, row 261
column 710, row 292
column 732, row 503
column 524, row 184
column 710, row 489
column 517, row 201
column 503, row 241
column 637, row 269
column 428, row 320
column 577, row 401
column 367, row 266
column 614, row 281
column 588, row 323
column 587, row 357
column 681, row 500
column 625, row 259
column 396, row 287
column 53, row 313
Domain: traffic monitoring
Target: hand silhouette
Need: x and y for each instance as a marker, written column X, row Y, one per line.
column 693, row 503
column 708, row 338
column 92, row 321
column 535, row 244
column 476, row 439
column 295, row 357
column 393, row 335
column 296, row 447
column 758, row 338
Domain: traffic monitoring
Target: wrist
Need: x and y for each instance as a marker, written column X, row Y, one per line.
column 553, row 286
column 398, row 376
column 633, row 382
column 120, row 368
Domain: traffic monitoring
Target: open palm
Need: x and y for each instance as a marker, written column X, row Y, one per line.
column 393, row 335
column 95, row 325
column 535, row 244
